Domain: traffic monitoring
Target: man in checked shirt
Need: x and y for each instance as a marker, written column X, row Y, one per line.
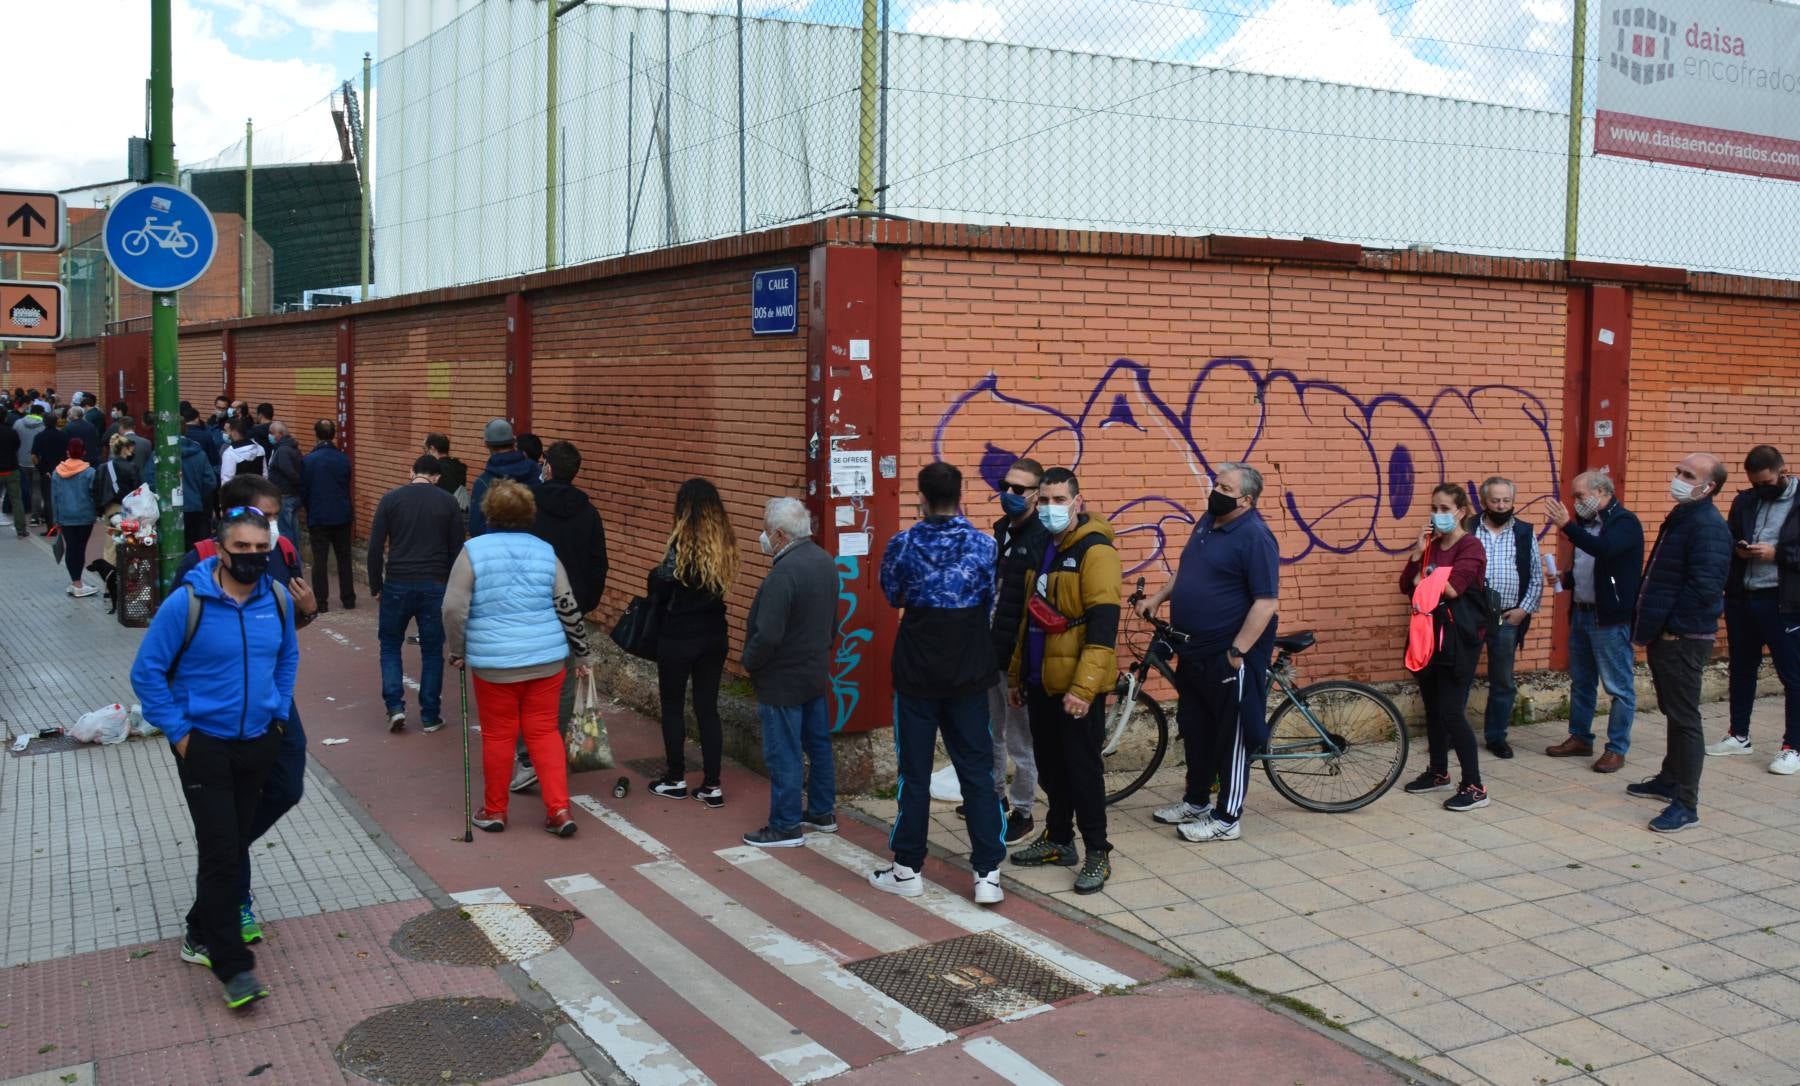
column 1515, row 575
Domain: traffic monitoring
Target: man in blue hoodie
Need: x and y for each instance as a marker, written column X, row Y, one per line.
column 220, row 688
column 505, row 461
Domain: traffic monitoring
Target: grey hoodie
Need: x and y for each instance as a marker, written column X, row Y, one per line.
column 28, row 427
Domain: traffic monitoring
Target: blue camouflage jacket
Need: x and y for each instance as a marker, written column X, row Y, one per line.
column 940, row 572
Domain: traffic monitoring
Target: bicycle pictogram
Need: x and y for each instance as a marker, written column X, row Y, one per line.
column 171, row 237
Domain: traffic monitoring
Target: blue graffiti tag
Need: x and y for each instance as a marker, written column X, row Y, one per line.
column 1348, row 469
column 845, row 690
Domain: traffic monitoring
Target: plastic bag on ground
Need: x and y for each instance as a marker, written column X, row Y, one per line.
column 107, row 724
column 134, row 719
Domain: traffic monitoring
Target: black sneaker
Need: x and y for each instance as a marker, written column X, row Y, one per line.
column 675, row 789
column 430, row 726
column 770, row 837
column 1095, row 870
column 1652, row 788
column 1429, row 782
column 712, row 796
column 243, row 990
column 818, row 823
column 1044, row 852
column 1500, row 748
column 1467, row 798
column 1018, row 826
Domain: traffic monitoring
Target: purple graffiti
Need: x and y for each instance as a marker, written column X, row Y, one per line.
column 1347, row 471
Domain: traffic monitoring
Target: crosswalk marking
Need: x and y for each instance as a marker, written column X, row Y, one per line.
column 801, row 962
column 622, row 826
column 1006, row 1063
column 639, row 1051
column 971, row 917
column 787, row 1051
column 827, row 904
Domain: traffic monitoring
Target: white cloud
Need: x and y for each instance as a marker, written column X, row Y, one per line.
column 99, row 89
column 1335, row 43
column 1157, row 30
column 325, row 18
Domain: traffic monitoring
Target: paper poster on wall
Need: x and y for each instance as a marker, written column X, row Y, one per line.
column 852, row 473
column 846, row 516
column 853, row 544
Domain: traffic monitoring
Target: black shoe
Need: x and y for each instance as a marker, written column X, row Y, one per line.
column 1500, row 748
column 1095, row 870
column 243, row 990
column 818, row 823
column 1653, row 788
column 1430, row 782
column 675, row 789
column 1469, row 797
column 349, row 605
column 712, row 796
column 1018, row 827
column 1045, row 852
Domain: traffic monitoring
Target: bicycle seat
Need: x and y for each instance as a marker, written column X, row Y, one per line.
column 1295, row 642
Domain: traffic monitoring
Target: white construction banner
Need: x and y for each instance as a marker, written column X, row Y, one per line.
column 1711, row 83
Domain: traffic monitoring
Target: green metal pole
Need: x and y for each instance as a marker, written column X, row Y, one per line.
column 1577, row 80
column 248, row 277
column 865, row 142
column 550, row 135
column 164, row 337
column 363, row 167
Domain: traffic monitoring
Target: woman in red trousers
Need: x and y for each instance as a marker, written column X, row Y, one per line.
column 510, row 616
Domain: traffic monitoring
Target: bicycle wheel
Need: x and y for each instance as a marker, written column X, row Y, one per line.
column 1137, row 738
column 135, row 243
column 186, row 245
column 1367, row 731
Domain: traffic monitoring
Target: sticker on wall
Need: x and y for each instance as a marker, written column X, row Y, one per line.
column 845, row 516
column 867, row 373
column 890, row 467
column 1606, row 336
column 853, row 544
column 859, row 350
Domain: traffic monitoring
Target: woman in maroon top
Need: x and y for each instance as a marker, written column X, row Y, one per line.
column 1444, row 683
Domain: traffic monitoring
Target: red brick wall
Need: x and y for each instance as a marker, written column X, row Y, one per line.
column 202, row 370
column 439, row 368
column 29, row 367
column 1353, row 392
column 1709, row 373
column 291, row 367
column 77, row 370
column 657, row 379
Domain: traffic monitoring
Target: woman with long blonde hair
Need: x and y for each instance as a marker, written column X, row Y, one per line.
column 701, row 563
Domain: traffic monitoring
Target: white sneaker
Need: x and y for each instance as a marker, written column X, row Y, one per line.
column 1731, row 744
column 1786, row 763
column 987, row 888
column 897, row 878
column 1181, row 813
column 523, row 777
column 84, row 591
column 1210, row 829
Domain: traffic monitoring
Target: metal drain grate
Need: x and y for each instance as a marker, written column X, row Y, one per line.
column 56, row 744
column 482, row 934
column 429, row 1042
column 651, row 768
column 965, row 981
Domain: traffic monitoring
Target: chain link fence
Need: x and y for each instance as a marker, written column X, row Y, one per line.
column 526, row 134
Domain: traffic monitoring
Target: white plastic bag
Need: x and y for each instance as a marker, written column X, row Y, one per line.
column 134, row 719
column 945, row 788
column 107, row 724
column 140, row 505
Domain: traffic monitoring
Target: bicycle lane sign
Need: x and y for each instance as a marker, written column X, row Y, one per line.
column 160, row 237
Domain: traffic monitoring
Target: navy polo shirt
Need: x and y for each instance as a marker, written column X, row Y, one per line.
column 1224, row 569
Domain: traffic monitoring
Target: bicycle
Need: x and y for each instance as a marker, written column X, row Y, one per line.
column 137, row 242
column 1334, row 746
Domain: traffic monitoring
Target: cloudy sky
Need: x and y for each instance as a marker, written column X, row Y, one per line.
column 272, row 60
column 233, row 59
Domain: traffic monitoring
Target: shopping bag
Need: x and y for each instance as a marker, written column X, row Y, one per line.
column 586, row 742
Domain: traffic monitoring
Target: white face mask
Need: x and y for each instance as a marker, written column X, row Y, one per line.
column 1587, row 508
column 1681, row 490
column 766, row 543
column 274, row 533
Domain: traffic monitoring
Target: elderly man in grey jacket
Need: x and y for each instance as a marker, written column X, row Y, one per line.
column 787, row 651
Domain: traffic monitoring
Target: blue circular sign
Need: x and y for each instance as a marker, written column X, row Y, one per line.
column 160, row 238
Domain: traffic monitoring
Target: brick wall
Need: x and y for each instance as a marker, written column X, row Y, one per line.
column 1709, row 373
column 77, row 370
column 657, row 380
column 29, row 367
column 293, row 368
column 202, row 370
column 436, row 368
column 1353, row 392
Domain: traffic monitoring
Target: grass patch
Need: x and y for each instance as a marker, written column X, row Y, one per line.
column 1185, row 972
column 1305, row 1010
column 1229, row 977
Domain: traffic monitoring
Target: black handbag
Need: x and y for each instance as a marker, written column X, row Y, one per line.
column 638, row 628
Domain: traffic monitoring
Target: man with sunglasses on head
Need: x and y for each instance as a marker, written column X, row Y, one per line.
column 216, row 673
column 1020, row 540
column 287, row 777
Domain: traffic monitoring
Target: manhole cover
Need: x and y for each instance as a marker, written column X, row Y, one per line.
column 429, row 1042
column 56, row 744
column 653, row 766
column 964, row 981
column 482, row 934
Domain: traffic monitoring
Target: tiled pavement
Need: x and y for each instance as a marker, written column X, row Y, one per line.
column 95, row 842
column 1550, row 937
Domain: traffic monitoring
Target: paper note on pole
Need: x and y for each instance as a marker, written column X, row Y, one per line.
column 852, row 473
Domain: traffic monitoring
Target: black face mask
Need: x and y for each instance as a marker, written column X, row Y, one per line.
column 1497, row 518
column 1772, row 492
column 1221, row 505
column 247, row 568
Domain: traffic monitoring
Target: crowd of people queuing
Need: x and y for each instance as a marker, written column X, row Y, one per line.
column 1005, row 653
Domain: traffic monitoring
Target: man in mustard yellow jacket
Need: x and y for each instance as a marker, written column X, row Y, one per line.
column 1065, row 661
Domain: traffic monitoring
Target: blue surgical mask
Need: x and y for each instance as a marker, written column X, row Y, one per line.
column 1443, row 523
column 1013, row 504
column 1055, row 518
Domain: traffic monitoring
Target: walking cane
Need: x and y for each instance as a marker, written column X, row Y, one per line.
column 468, row 796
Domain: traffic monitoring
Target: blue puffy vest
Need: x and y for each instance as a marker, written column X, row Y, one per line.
column 512, row 618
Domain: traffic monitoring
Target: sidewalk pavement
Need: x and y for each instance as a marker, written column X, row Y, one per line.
column 1549, row 937
column 655, row 947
